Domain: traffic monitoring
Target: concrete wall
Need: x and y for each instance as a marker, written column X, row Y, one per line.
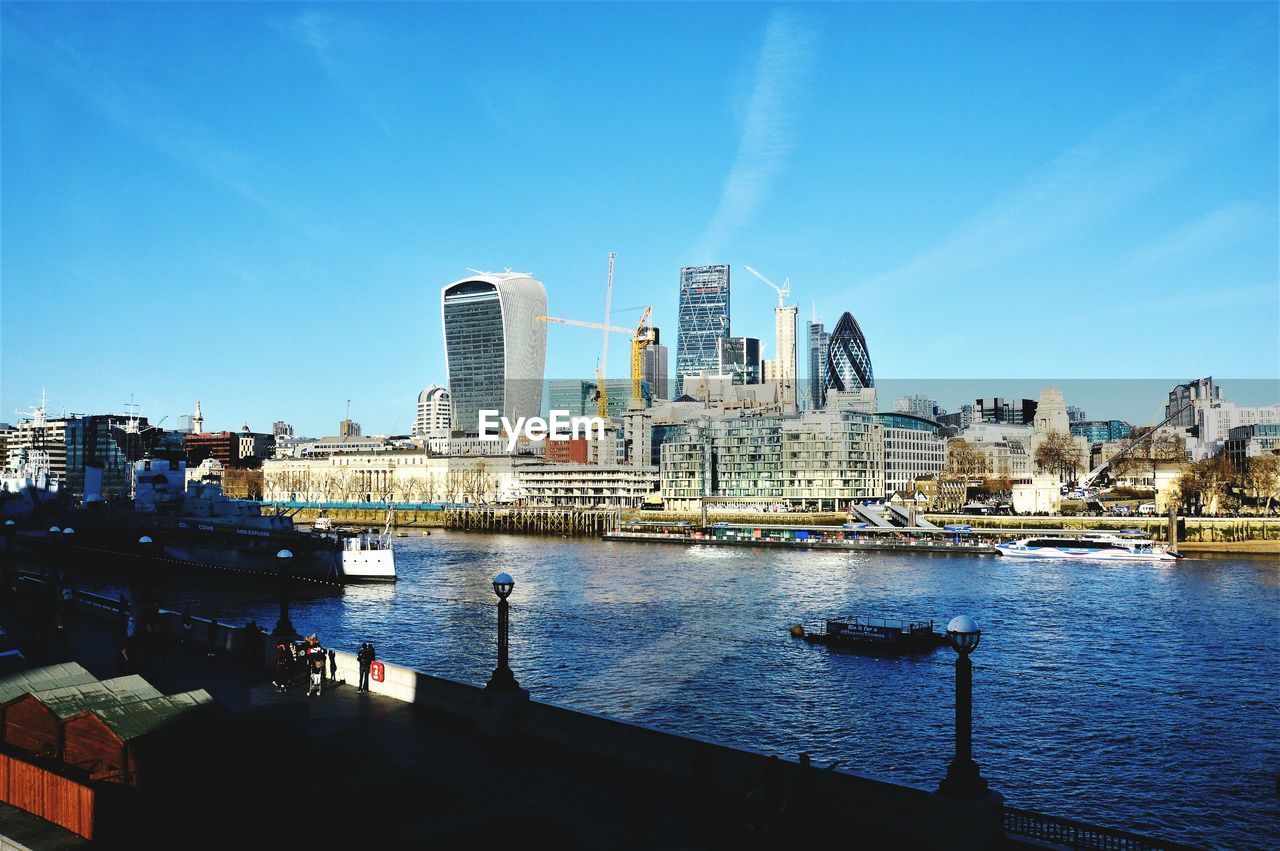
column 918, row 817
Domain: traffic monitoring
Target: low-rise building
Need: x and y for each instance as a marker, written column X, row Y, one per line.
column 586, row 485
column 1252, row 441
column 914, row 448
column 400, row 475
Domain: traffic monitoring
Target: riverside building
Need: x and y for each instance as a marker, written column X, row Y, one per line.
column 495, row 349
column 813, row 460
column 914, row 448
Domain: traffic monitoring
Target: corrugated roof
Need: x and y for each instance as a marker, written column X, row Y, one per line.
column 42, row 679
column 74, row 699
column 131, row 720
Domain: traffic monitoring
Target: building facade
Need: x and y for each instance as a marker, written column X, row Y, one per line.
column 586, row 485
column 819, row 341
column 704, row 319
column 495, row 349
column 434, row 414
column 914, row 448
column 997, row 409
column 1252, row 441
column 655, row 367
column 848, row 360
column 1100, row 431
column 918, row 406
column 739, row 358
column 1184, row 397
column 812, row 460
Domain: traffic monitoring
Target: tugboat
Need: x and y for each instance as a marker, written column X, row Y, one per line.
column 875, row 635
column 197, row 525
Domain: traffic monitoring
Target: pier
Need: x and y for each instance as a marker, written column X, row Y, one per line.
column 532, row 521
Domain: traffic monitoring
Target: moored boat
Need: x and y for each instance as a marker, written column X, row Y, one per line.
column 874, row 635
column 1097, row 547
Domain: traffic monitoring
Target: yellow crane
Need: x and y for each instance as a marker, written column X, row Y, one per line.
column 641, row 337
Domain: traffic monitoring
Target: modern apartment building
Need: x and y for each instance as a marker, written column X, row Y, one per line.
column 495, row 349
column 704, row 319
column 812, row 460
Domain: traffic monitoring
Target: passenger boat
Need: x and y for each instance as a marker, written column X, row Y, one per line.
column 874, row 635
column 1088, row 548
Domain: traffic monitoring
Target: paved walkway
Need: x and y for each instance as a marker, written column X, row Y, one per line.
column 348, row 768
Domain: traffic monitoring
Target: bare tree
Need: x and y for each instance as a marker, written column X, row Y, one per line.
column 1059, row 453
column 966, row 461
column 1262, row 476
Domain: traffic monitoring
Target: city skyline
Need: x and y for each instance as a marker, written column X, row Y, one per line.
column 268, row 247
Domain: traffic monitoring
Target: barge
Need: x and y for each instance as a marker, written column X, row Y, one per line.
column 874, row 635
column 851, row 536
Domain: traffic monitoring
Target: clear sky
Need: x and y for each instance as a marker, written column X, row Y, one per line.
column 257, row 205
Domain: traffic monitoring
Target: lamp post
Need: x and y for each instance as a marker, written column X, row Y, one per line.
column 963, row 779
column 284, row 627
column 502, row 680
column 67, row 561
column 10, row 529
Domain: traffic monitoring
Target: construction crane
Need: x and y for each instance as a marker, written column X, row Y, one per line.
column 642, row 336
column 783, row 291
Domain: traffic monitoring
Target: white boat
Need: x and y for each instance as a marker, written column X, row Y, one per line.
column 1087, row 548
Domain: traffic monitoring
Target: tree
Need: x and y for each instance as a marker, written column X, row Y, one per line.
column 965, row 460
column 1262, row 476
column 1059, row 453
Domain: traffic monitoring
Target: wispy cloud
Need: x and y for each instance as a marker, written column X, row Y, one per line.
column 1086, row 184
column 766, row 139
column 314, row 31
column 1209, row 234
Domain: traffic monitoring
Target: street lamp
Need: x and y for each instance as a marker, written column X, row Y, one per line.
column 963, row 779
column 502, row 680
column 10, row 529
column 284, row 627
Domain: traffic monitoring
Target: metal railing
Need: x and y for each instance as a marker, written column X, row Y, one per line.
column 1068, row 833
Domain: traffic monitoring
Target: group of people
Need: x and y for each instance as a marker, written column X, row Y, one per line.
column 309, row 655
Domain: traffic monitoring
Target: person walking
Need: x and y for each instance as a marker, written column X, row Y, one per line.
column 315, row 664
column 365, row 656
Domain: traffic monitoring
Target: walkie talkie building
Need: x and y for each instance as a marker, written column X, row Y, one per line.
column 494, row 347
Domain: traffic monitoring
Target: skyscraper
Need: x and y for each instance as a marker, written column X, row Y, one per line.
column 782, row 369
column 495, row 349
column 848, row 361
column 819, row 342
column 435, row 413
column 654, row 367
column 704, row 319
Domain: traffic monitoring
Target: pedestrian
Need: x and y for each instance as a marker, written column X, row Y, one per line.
column 365, row 656
column 284, row 661
column 315, row 662
column 213, row 635
column 333, row 666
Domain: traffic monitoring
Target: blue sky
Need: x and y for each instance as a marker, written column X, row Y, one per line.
column 257, row 205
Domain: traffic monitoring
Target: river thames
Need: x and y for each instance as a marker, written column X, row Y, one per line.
column 1139, row 696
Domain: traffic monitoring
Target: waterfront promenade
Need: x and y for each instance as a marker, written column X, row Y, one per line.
column 428, row 761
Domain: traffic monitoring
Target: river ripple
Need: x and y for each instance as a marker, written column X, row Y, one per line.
column 1140, row 696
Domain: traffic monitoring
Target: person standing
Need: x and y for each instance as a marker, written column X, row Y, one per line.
column 315, row 662
column 365, row 656
column 333, row 666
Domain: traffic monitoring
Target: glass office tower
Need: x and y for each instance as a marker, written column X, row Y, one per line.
column 704, row 319
column 848, row 361
column 819, row 341
column 494, row 347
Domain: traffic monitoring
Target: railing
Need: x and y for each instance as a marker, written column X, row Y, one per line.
column 1077, row 834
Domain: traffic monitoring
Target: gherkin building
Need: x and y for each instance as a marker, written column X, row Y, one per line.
column 848, row 361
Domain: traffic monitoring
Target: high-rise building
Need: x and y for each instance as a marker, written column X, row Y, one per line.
column 654, row 367
column 704, row 319
column 739, row 358
column 280, row 428
column 848, row 361
column 918, row 405
column 349, row 428
column 782, row 369
column 577, row 396
column 819, row 342
column 495, row 349
column 434, row 414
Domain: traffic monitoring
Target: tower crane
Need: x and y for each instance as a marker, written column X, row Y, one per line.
column 642, row 336
column 783, row 291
